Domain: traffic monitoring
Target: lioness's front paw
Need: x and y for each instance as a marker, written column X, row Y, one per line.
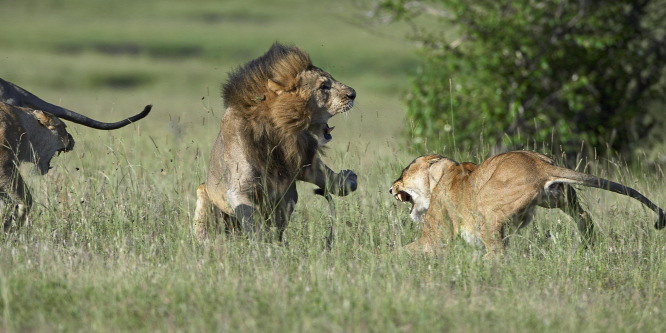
column 346, row 183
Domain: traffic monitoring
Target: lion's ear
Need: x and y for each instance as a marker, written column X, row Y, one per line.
column 275, row 87
column 436, row 169
column 43, row 118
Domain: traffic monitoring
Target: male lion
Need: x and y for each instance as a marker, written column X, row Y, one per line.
column 481, row 202
column 30, row 131
column 277, row 109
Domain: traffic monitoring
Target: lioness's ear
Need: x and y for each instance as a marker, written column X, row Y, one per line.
column 275, row 87
column 436, row 169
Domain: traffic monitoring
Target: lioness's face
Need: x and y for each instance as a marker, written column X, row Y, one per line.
column 414, row 184
column 326, row 98
column 55, row 140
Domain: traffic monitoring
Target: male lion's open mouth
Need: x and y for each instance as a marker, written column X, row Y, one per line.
column 44, row 168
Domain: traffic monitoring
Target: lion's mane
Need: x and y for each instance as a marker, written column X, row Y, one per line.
column 275, row 126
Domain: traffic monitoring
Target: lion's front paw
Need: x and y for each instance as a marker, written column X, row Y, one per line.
column 346, row 183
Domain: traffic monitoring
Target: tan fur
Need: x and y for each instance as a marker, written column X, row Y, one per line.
column 484, row 203
column 27, row 136
column 277, row 109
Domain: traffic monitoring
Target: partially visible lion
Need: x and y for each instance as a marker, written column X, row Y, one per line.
column 277, row 109
column 17, row 96
column 483, row 203
column 30, row 131
column 27, row 136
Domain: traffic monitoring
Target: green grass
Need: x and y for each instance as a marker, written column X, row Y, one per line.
column 109, row 248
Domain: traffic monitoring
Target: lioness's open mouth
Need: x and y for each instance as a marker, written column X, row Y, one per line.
column 403, row 196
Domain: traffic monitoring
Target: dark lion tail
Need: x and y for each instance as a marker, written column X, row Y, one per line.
column 22, row 97
column 578, row 178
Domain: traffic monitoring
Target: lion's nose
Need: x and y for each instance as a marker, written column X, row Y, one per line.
column 390, row 190
column 352, row 94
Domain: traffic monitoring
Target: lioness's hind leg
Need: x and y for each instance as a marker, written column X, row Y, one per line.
column 580, row 215
column 200, row 221
column 564, row 197
column 493, row 240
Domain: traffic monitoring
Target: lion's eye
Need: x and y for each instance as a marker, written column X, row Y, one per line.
column 324, row 86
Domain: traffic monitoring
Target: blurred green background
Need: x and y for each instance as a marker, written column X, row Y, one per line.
column 109, row 58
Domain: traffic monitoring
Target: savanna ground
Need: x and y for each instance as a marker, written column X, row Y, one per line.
column 109, row 247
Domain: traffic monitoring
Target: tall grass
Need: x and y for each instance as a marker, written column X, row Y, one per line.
column 109, row 246
column 112, row 251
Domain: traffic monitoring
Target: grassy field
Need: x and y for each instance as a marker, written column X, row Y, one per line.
column 109, row 248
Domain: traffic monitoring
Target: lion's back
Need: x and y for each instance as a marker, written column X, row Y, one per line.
column 511, row 169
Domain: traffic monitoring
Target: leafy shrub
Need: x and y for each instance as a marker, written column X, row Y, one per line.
column 569, row 73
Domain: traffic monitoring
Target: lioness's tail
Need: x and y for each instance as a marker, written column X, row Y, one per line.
column 578, row 178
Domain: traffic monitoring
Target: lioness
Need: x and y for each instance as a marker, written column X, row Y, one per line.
column 480, row 203
column 277, row 109
column 30, row 131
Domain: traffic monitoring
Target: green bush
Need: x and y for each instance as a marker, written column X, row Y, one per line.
column 568, row 73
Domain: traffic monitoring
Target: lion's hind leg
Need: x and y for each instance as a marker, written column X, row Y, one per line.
column 565, row 198
column 493, row 239
column 573, row 208
column 209, row 217
column 16, row 197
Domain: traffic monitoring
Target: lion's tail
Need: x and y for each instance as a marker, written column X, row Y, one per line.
column 568, row 176
column 32, row 101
